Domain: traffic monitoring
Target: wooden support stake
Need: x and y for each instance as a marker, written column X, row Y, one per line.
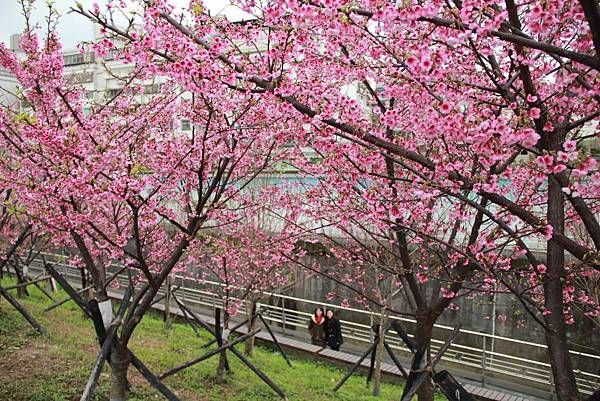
column 218, row 326
column 371, row 364
column 167, row 312
column 447, row 344
column 279, row 347
column 97, row 319
column 238, row 354
column 26, row 283
column 395, row 359
column 219, row 336
column 373, row 355
column 209, row 354
column 200, row 322
column 356, row 365
column 34, row 323
column 152, row 379
column 404, row 336
column 46, row 293
column 97, row 369
column 258, row 372
column 68, row 288
column 234, row 328
column 64, row 301
column 81, row 291
column 187, row 319
column 33, row 281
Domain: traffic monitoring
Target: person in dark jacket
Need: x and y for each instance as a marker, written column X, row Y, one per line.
column 333, row 331
column 316, row 327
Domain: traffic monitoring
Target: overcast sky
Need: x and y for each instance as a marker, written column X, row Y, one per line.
column 73, row 28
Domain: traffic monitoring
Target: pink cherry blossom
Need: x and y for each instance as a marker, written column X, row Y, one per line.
column 570, row 146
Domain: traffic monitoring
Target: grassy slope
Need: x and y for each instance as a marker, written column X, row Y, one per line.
column 56, row 367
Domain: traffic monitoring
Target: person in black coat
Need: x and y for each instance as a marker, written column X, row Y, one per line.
column 333, row 331
column 316, row 327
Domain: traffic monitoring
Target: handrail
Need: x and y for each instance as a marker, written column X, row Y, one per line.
column 437, row 326
column 362, row 311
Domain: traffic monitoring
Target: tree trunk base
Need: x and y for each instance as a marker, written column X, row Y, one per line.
column 220, row 378
column 119, row 389
column 426, row 392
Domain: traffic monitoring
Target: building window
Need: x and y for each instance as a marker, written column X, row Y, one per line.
column 79, row 78
column 151, row 89
column 112, row 54
column 78, row 58
column 110, row 93
column 186, row 125
column 24, row 104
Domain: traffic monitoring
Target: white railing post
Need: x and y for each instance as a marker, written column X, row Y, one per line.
column 483, row 361
column 552, row 393
column 283, row 313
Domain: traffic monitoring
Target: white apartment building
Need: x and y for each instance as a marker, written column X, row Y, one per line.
column 8, row 89
column 99, row 77
column 8, row 82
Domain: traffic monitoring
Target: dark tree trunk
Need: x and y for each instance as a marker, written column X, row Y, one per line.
column 223, row 356
column 423, row 336
column 556, row 336
column 22, row 291
column 87, row 295
column 119, row 361
column 379, row 355
column 249, row 345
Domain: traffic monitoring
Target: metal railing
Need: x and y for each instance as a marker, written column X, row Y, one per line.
column 483, row 361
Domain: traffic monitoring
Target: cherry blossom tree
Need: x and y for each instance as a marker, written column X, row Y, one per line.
column 14, row 228
column 394, row 245
column 246, row 260
column 14, row 235
column 21, row 242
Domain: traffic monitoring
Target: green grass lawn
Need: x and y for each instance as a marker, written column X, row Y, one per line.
column 56, row 367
